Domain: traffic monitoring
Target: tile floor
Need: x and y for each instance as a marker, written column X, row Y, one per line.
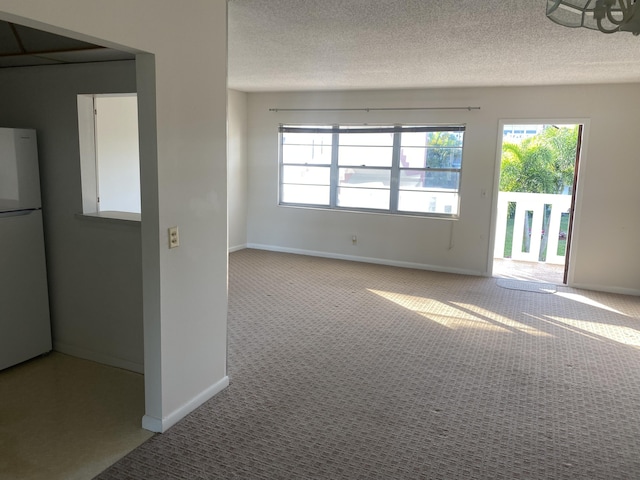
column 531, row 271
column 62, row 417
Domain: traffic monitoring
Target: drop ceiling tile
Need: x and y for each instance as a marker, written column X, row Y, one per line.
column 8, row 43
column 39, row 41
column 24, row 61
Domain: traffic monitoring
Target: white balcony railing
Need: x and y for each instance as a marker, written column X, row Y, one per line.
column 534, row 231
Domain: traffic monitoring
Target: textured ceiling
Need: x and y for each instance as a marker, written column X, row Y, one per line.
column 296, row 45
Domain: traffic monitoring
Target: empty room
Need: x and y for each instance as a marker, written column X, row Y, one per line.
column 371, row 239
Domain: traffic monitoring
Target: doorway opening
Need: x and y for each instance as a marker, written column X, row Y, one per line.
column 109, row 153
column 536, row 201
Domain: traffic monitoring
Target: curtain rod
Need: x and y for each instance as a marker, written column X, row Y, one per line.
column 367, row 109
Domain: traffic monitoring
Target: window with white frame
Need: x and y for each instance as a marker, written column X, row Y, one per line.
column 412, row 170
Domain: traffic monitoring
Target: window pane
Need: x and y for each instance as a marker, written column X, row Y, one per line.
column 306, row 175
column 301, row 154
column 445, row 180
column 413, row 157
column 429, row 180
column 305, row 194
column 444, row 157
column 445, row 139
column 360, row 139
column 365, row 177
column 428, row 202
column 365, row 156
column 294, row 138
column 363, row 198
column 412, row 179
column 414, row 139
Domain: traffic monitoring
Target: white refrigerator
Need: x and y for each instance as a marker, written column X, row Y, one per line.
column 25, row 328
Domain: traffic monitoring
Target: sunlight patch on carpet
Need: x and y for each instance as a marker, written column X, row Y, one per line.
column 446, row 315
column 583, row 298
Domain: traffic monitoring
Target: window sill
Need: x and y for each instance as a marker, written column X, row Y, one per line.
column 112, row 216
column 429, row 215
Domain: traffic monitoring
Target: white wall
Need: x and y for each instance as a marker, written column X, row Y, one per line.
column 604, row 254
column 181, row 85
column 94, row 268
column 237, row 170
column 117, row 148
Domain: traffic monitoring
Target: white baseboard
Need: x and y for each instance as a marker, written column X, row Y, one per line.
column 606, row 289
column 237, row 247
column 99, row 357
column 158, row 425
column 353, row 258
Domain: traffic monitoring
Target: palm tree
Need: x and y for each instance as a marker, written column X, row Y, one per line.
column 563, row 142
column 527, row 168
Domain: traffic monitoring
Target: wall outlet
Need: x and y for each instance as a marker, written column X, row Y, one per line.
column 174, row 238
column 354, row 239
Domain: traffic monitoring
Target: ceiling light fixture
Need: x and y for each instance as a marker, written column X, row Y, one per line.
column 608, row 16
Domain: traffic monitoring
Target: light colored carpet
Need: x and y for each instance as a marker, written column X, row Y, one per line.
column 342, row 370
column 66, row 418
